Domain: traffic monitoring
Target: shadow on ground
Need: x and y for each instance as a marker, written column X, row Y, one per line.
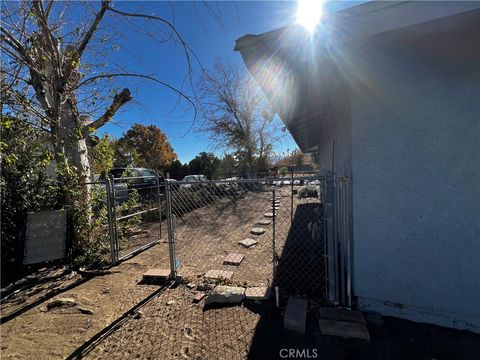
column 168, row 325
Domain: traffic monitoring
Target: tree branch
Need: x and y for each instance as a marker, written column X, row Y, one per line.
column 86, row 39
column 118, row 101
column 148, row 77
column 186, row 48
column 12, row 41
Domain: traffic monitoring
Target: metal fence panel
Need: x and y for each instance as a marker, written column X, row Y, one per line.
column 211, row 221
column 250, row 232
column 300, row 252
column 138, row 213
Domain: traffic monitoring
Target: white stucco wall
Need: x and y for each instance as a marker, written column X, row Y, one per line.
column 416, row 169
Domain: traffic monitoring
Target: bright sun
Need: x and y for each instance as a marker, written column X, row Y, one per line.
column 309, row 13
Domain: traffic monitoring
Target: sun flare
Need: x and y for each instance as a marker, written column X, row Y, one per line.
column 309, row 13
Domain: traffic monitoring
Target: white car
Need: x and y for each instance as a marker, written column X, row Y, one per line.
column 192, row 179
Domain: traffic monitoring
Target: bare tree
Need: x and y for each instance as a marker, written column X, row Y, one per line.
column 237, row 116
column 57, row 73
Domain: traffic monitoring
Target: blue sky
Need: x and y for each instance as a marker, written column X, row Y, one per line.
column 209, row 39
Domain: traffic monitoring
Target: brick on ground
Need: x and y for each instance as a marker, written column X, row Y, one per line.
column 257, row 293
column 248, row 242
column 233, row 259
column 219, row 274
column 157, row 274
column 198, row 297
column 225, row 295
column 257, row 231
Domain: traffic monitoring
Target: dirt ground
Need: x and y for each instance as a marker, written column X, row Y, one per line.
column 131, row 319
column 204, row 237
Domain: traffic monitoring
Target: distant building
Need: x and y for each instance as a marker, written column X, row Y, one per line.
column 299, row 162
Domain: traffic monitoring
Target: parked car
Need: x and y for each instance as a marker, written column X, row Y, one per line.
column 230, row 186
column 143, row 180
column 194, row 180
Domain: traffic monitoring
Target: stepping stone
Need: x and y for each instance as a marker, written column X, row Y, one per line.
column 257, row 293
column 341, row 315
column 219, row 275
column 276, row 207
column 345, row 329
column 296, row 314
column 233, row 259
column 226, row 295
column 248, row 242
column 268, row 214
column 157, row 274
column 257, row 231
column 264, row 222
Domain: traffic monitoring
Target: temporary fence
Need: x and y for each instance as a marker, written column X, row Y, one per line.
column 292, row 233
column 249, row 232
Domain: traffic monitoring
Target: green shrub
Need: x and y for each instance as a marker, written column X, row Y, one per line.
column 92, row 245
column 307, row 191
column 24, row 183
column 283, row 171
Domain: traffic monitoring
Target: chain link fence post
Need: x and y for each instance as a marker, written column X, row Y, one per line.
column 323, row 200
column 330, row 241
column 114, row 219
column 110, row 201
column 291, row 197
column 274, row 246
column 159, row 204
column 171, row 231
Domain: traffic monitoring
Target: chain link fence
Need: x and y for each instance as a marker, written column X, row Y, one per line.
column 247, row 232
column 137, row 213
column 250, row 232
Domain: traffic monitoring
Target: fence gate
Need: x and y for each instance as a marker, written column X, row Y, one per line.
column 136, row 205
column 293, row 234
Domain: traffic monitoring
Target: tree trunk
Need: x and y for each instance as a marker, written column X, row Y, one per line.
column 75, row 146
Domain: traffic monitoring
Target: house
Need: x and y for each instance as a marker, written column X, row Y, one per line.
column 388, row 94
column 297, row 161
